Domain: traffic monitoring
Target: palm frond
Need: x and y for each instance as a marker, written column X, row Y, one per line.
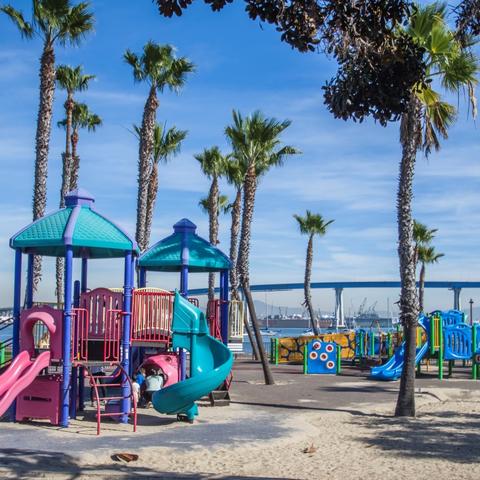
column 312, row 224
column 25, row 28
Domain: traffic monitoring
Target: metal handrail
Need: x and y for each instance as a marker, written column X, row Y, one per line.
column 94, row 385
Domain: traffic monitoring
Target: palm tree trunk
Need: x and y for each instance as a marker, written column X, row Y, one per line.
column 213, row 229
column 66, row 172
column 75, row 170
column 306, row 285
column 410, row 139
column 234, row 231
column 144, row 164
column 421, row 287
column 249, row 191
column 42, row 141
column 152, row 198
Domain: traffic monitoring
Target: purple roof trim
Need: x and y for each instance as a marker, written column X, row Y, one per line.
column 72, row 221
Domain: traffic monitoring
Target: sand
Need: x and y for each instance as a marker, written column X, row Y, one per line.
column 443, row 442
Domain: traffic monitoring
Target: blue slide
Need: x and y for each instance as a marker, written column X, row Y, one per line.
column 210, row 362
column 392, row 370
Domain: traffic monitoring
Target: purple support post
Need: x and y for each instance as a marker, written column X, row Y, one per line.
column 224, row 305
column 29, row 295
column 84, row 274
column 142, row 281
column 127, row 307
column 67, row 326
column 17, row 289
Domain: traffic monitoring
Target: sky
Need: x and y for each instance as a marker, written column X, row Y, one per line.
column 347, row 172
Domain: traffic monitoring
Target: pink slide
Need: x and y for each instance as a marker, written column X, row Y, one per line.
column 19, row 376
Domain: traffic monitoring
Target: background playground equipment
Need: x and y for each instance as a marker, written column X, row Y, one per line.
column 441, row 335
column 355, row 345
column 54, row 349
column 322, row 358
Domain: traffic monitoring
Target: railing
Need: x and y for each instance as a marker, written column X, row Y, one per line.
column 152, row 313
column 80, row 334
column 112, row 336
column 236, row 319
column 213, row 318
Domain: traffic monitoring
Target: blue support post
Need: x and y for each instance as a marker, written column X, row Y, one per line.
column 224, row 305
column 67, row 325
column 29, row 294
column 84, row 274
column 183, row 292
column 76, row 389
column 17, row 289
column 142, row 278
column 127, row 307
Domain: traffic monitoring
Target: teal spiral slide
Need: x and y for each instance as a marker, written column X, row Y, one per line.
column 210, row 362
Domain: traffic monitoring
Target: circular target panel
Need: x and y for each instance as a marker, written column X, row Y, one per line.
column 329, row 348
column 330, row 365
column 313, row 355
column 316, row 345
column 477, row 358
column 323, row 357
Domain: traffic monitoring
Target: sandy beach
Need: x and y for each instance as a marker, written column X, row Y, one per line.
column 352, row 439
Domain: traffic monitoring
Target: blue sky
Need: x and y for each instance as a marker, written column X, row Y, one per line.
column 347, row 171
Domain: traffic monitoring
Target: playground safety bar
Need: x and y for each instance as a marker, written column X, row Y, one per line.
column 93, row 384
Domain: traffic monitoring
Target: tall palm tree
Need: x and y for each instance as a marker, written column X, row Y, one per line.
column 72, row 80
column 166, row 145
column 256, row 144
column 311, row 224
column 82, row 118
column 427, row 118
column 54, row 22
column 213, row 164
column 426, row 255
column 235, row 174
column 159, row 68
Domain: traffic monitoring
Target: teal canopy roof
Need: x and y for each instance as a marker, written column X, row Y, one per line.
column 184, row 247
column 90, row 234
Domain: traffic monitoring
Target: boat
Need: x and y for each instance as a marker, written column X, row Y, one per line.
column 268, row 332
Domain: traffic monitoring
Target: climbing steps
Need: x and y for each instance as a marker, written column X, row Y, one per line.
column 107, row 393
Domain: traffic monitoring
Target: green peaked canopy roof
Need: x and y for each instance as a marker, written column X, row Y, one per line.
column 90, row 234
column 184, row 247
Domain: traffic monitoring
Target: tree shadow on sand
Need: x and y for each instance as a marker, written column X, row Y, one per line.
column 28, row 464
column 447, row 435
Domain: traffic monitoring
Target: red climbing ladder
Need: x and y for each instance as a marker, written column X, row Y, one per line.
column 113, row 381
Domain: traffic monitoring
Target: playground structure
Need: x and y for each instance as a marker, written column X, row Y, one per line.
column 441, row 336
column 55, row 349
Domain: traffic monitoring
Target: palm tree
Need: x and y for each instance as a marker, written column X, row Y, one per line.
column 72, row 80
column 422, row 235
column 426, row 255
column 235, row 174
column 311, row 224
column 224, row 206
column 53, row 21
column 256, row 145
column 426, row 118
column 213, row 164
column 159, row 68
column 166, row 144
column 82, row 118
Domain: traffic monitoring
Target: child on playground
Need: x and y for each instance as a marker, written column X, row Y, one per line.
column 153, row 383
